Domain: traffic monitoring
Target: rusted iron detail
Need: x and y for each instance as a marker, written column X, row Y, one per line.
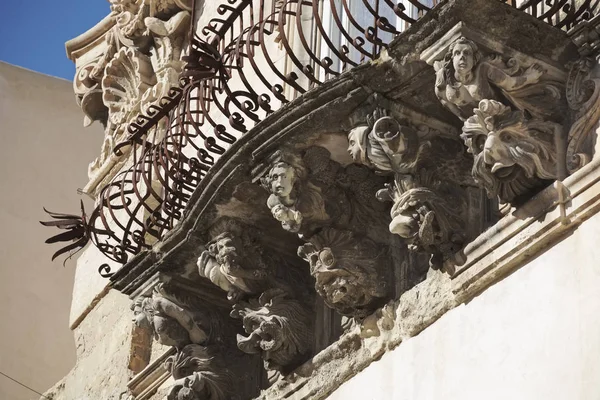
column 248, row 61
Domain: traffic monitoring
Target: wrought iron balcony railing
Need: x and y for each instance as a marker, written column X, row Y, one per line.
column 247, row 62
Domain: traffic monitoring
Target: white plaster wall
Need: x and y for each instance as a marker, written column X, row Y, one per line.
column 44, row 153
column 535, row 335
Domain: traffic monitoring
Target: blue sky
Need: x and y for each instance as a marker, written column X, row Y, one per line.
column 34, row 32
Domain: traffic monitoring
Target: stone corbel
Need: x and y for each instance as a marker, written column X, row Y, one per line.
column 352, row 274
column 278, row 327
column 205, row 362
column 583, row 95
column 273, row 304
column 512, row 105
column 200, row 373
column 429, row 174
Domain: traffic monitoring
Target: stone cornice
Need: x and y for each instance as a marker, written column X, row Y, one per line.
column 79, row 45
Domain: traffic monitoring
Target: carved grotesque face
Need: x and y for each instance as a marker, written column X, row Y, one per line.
column 511, row 155
column 188, row 388
column 282, row 179
column 463, row 58
column 346, row 277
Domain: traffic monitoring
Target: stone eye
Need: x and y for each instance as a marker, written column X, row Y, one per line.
column 479, row 143
column 507, row 137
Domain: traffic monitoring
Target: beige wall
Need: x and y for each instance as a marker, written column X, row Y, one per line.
column 534, row 335
column 44, row 155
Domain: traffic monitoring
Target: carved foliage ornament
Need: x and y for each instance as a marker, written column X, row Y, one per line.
column 512, row 154
column 278, row 327
column 351, row 274
column 583, row 96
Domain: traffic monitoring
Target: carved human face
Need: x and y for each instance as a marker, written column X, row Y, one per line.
column 512, row 155
column 282, row 179
column 463, row 58
column 355, row 140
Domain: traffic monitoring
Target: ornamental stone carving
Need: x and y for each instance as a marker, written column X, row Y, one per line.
column 512, row 154
column 466, row 76
column 429, row 174
column 278, row 327
column 352, row 274
column 236, row 268
column 294, row 201
column 175, row 319
column 583, row 96
column 200, row 373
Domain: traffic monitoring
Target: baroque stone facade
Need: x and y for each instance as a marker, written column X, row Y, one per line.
column 314, row 233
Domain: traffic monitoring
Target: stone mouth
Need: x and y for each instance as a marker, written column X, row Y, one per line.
column 505, row 173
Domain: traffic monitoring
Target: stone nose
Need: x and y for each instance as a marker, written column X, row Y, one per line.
column 489, row 149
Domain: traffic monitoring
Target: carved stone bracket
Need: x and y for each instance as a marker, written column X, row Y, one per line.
column 205, row 362
column 583, row 95
column 512, row 105
column 352, row 274
column 512, row 154
column 429, row 174
column 278, row 327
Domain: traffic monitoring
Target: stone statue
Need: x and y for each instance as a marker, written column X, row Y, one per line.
column 294, row 201
column 512, row 154
column 351, row 274
column 279, row 328
column 464, row 78
column 174, row 323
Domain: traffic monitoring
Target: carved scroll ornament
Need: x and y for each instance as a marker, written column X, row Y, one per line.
column 583, row 96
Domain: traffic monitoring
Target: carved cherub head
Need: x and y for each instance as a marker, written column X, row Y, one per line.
column 278, row 328
column 462, row 56
column 284, row 176
column 511, row 154
column 350, row 273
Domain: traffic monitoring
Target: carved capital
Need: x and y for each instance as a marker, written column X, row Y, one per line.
column 278, row 327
